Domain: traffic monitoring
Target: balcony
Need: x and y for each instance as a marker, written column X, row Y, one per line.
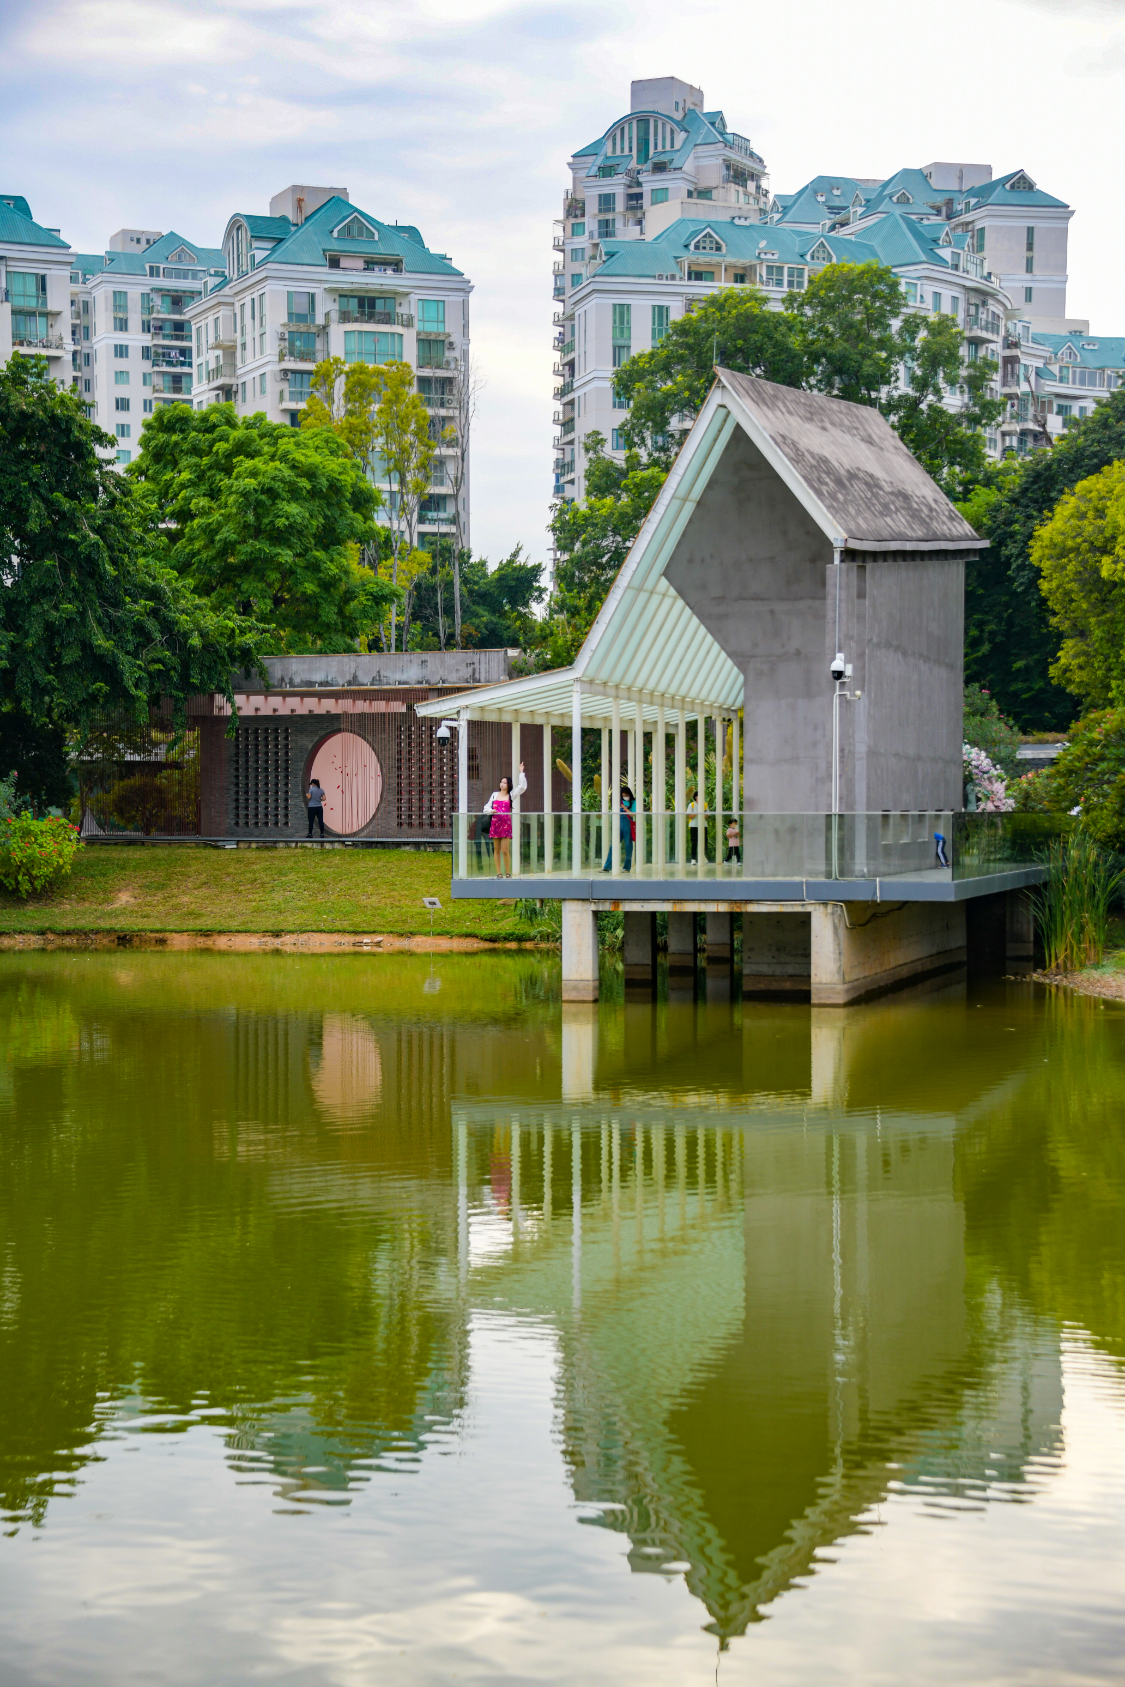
column 373, row 319
column 223, row 371
column 558, row 243
column 225, row 340
column 298, row 354
column 565, row 390
column 169, row 358
column 42, row 342
column 557, row 268
column 567, row 349
column 567, row 428
column 162, row 338
column 982, row 325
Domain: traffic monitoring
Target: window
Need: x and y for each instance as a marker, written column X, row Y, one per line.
column 774, row 275
column 577, row 230
column 300, row 380
column 618, row 439
column 578, row 254
column 120, row 351
column 27, row 291
column 85, row 332
column 86, row 386
column 146, row 378
column 124, row 456
column 660, row 316
column 262, row 385
column 302, row 307
column 607, row 202
column 146, row 354
column 431, row 353
column 122, row 430
column 1064, row 410
column 146, row 306
column 980, row 238
column 954, row 305
column 242, row 393
column 121, row 377
column 659, row 196
column 703, row 193
column 373, row 348
column 121, row 312
column 972, row 351
column 621, row 403
column 794, row 278
column 1029, row 295
column 607, row 228
column 431, row 316
column 146, row 406
column 708, row 243
column 356, row 229
column 121, row 404
column 910, row 288
column 623, row 323
column 85, row 360
column 935, row 303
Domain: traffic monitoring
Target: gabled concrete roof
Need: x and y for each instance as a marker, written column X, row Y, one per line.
column 846, row 466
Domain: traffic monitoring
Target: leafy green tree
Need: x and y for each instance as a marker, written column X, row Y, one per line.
column 986, row 729
column 91, row 618
column 265, row 520
column 1089, row 774
column 1010, row 644
column 844, row 330
column 497, row 604
column 949, row 444
column 666, row 386
column 402, row 435
column 1080, row 554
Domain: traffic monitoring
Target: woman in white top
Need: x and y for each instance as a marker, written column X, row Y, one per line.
column 499, row 805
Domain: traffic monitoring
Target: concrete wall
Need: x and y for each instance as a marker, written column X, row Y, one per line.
column 356, row 668
column 890, row 947
column 758, row 573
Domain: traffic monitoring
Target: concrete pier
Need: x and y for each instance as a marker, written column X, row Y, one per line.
column 681, row 944
column 639, row 948
column 719, row 939
column 776, row 954
column 579, row 952
column 857, row 951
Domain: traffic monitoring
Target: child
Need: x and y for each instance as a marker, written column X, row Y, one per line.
column 734, row 843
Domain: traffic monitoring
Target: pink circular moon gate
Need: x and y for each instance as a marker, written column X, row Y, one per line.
column 349, row 772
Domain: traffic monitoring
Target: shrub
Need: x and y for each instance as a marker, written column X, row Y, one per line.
column 1089, row 777
column 987, row 781
column 36, row 855
column 1072, row 908
column 986, row 729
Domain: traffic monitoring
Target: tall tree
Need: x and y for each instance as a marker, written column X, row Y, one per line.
column 402, row 436
column 1080, row 554
column 91, row 617
column 266, row 520
column 1010, row 644
column 844, row 330
column 948, row 442
column 467, row 384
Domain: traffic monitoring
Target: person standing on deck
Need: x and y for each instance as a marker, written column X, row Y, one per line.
column 695, row 811
column 499, row 806
column 628, row 832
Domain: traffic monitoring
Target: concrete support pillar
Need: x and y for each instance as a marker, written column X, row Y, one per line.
column 681, row 943
column 719, row 940
column 579, row 1049
column 1019, row 927
column 639, row 949
column 579, row 952
column 776, row 954
column 862, row 949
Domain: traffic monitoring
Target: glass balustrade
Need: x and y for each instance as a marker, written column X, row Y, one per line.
column 928, row 843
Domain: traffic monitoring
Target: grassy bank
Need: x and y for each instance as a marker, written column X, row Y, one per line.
column 178, row 888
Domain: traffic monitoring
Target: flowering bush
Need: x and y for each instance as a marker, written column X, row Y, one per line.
column 987, row 780
column 36, row 855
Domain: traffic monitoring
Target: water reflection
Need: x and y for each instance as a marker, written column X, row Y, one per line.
column 795, row 1262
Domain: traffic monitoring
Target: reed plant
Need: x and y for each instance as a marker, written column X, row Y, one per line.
column 1072, row 908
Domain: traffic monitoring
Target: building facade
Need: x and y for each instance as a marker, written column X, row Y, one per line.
column 34, row 289
column 321, row 278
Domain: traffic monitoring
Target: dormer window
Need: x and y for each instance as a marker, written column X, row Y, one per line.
column 182, row 256
column 708, row 242
column 1020, row 183
column 356, row 229
column 821, row 253
column 903, row 198
column 820, row 198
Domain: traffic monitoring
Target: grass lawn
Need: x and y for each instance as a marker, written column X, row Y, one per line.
column 184, row 888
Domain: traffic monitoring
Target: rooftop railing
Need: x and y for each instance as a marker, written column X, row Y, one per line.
column 919, row 844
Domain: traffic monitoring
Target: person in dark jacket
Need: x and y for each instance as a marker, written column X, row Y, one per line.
column 314, row 796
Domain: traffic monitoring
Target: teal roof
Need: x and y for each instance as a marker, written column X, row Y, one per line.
column 805, row 207
column 700, row 128
column 18, row 230
column 310, row 243
column 924, row 197
column 268, row 228
column 744, row 243
column 998, row 192
column 1095, row 351
column 161, row 252
column 87, row 263
column 900, row 240
column 17, row 202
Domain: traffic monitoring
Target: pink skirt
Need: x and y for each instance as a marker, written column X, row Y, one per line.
column 501, row 821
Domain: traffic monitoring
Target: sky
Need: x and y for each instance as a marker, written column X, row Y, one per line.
column 459, row 116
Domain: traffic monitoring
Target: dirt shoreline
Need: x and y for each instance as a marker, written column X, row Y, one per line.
column 1110, row 985
column 308, row 942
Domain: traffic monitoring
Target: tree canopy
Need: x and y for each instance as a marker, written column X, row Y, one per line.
column 265, row 520
column 1080, row 554
column 91, row 617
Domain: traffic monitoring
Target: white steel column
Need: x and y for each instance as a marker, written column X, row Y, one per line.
column 605, row 770
column 659, row 797
column 681, row 787
column 639, row 793
column 576, row 779
column 736, row 773
column 615, row 785
column 463, row 794
column 720, row 752
column 515, row 799
column 701, row 789
column 548, row 817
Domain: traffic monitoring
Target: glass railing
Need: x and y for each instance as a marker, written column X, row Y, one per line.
column 929, row 843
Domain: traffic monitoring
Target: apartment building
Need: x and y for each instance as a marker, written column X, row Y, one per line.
column 317, row 278
column 34, row 289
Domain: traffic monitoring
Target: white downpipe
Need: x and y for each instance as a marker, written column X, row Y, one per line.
column 576, row 779
column 639, row 791
column 615, row 785
column 681, row 787
column 659, row 798
column 515, row 788
column 463, row 794
column 736, row 777
column 700, row 793
column 548, row 816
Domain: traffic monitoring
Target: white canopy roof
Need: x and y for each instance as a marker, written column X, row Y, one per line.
column 647, row 648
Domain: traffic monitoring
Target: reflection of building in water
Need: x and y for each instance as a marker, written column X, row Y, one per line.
column 767, row 1326
column 347, row 1078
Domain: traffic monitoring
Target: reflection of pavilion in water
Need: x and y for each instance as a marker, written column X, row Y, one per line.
column 765, row 1315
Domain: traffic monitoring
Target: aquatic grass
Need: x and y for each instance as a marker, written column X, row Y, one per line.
column 1072, row 909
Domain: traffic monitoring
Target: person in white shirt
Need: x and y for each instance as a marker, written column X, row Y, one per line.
column 695, row 809
column 499, row 806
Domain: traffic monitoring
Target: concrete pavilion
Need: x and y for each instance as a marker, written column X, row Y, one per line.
column 792, row 527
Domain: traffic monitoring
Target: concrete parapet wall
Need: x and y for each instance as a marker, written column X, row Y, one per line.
column 776, row 954
column 850, row 960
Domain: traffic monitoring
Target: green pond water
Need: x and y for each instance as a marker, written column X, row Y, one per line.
column 373, row 1319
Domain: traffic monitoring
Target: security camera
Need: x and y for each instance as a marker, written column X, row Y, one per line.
column 839, row 666
column 442, row 734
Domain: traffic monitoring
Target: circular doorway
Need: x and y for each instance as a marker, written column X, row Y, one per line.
column 351, row 778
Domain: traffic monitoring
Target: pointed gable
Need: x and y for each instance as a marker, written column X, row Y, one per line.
column 355, row 228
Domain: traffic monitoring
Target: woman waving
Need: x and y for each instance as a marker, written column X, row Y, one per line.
column 499, row 805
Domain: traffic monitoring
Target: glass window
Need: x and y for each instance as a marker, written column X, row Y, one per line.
column 302, row 307
column 146, row 377
column 621, row 403
column 1029, row 295
column 431, row 316
column 703, row 193
column 146, row 406
column 431, row 353
column 576, row 280
column 121, row 404
column 121, row 377
column 362, row 347
column 660, row 316
column 795, row 278
column 740, row 277
column 26, row 291
column 910, row 288
column 122, row 430
column 262, row 385
column 618, row 436
column 980, row 238
column 577, row 230
column 124, row 456
column 300, row 381
column 935, row 301
column 659, row 196
column 242, row 393
column 775, row 275
column 121, row 303
column 607, row 202
column 709, row 275
column 623, row 322
column 607, row 228
column 367, row 307
column 120, row 351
